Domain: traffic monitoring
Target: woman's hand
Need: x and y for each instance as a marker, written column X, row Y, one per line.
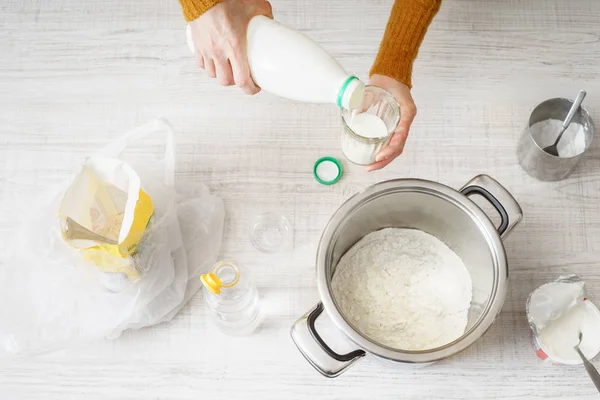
column 408, row 111
column 219, row 37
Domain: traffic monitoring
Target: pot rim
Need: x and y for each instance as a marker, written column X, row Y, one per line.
column 492, row 309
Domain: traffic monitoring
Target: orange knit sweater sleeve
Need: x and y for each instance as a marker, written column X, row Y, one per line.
column 192, row 9
column 403, row 35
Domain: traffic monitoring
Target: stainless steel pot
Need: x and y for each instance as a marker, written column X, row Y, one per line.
column 438, row 210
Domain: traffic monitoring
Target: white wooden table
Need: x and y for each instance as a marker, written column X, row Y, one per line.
column 75, row 73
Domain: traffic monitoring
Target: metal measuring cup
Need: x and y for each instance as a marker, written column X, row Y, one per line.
column 532, row 157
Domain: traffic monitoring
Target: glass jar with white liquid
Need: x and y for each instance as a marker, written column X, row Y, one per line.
column 368, row 128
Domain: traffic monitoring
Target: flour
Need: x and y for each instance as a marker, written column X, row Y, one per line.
column 572, row 142
column 404, row 288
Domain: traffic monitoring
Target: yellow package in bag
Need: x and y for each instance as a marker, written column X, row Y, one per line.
column 105, row 213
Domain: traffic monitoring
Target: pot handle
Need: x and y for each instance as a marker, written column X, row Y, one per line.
column 316, row 351
column 506, row 205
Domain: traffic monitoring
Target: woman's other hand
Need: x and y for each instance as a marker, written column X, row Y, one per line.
column 219, row 37
column 408, row 111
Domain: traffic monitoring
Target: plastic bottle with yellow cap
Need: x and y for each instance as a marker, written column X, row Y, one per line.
column 232, row 298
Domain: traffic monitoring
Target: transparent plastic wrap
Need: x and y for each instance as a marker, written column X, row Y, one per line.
column 58, row 298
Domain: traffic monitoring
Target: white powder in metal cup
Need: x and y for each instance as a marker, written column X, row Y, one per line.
column 572, row 142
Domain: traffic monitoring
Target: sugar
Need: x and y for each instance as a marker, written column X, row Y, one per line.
column 572, row 143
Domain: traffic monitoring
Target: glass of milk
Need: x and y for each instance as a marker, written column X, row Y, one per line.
column 367, row 129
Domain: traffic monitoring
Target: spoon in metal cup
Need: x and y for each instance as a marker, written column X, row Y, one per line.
column 589, row 367
column 553, row 150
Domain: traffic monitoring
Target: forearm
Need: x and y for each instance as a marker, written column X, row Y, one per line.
column 192, row 9
column 404, row 33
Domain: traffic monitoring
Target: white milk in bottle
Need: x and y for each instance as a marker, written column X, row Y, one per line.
column 287, row 63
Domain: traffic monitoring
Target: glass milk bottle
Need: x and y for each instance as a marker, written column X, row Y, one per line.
column 232, row 298
column 367, row 129
column 287, row 63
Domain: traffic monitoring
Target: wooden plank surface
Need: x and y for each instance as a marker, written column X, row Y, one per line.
column 76, row 73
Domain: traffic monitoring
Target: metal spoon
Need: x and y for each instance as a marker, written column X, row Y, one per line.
column 553, row 150
column 589, row 367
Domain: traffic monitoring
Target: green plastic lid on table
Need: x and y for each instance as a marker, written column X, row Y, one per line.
column 327, row 170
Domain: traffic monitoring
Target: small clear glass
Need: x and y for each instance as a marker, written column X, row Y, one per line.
column 232, row 299
column 363, row 138
column 270, row 232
